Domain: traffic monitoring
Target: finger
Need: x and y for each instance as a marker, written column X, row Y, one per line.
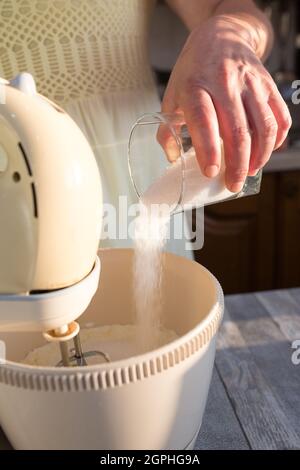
column 263, row 125
column 278, row 106
column 167, row 134
column 282, row 116
column 236, row 137
column 202, row 123
column 167, row 139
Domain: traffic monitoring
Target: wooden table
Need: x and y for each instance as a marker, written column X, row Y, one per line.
column 254, row 399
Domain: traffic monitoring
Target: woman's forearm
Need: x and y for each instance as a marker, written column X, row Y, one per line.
column 253, row 26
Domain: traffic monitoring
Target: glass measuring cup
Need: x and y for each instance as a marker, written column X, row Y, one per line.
column 180, row 184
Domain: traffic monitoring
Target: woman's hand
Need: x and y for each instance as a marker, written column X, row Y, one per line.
column 223, row 89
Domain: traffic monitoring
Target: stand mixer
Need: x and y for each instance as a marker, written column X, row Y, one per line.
column 50, row 222
column 50, row 219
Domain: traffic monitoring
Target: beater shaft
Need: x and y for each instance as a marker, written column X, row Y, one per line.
column 74, row 356
column 79, row 356
column 64, row 350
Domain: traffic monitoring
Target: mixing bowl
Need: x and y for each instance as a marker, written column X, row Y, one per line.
column 151, row 401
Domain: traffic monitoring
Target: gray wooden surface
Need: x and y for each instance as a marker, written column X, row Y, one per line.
column 254, row 399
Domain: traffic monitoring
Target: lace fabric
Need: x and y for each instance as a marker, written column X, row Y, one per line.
column 77, row 48
column 90, row 56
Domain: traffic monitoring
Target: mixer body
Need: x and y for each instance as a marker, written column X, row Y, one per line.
column 50, row 213
column 50, row 195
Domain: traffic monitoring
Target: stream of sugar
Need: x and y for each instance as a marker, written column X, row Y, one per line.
column 151, row 229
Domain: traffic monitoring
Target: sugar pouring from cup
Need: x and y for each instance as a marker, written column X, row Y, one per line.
column 164, row 170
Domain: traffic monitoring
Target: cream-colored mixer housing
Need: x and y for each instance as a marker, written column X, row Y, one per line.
column 50, row 194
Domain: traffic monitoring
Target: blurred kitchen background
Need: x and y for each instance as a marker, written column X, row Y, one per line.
column 252, row 243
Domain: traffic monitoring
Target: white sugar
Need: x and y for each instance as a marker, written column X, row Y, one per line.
column 151, row 231
column 116, row 341
column 198, row 190
column 151, row 228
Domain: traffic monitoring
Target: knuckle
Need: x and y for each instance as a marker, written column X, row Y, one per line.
column 270, row 128
column 195, row 103
column 240, row 135
column 193, row 85
column 238, row 173
column 198, row 116
column 190, row 86
column 286, row 122
column 224, row 73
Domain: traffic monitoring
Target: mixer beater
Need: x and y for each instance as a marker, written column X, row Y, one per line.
column 73, row 356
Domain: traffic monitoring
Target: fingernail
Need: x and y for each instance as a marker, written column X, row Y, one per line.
column 211, row 171
column 236, row 187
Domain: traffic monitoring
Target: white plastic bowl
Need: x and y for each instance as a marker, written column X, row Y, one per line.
column 152, row 401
